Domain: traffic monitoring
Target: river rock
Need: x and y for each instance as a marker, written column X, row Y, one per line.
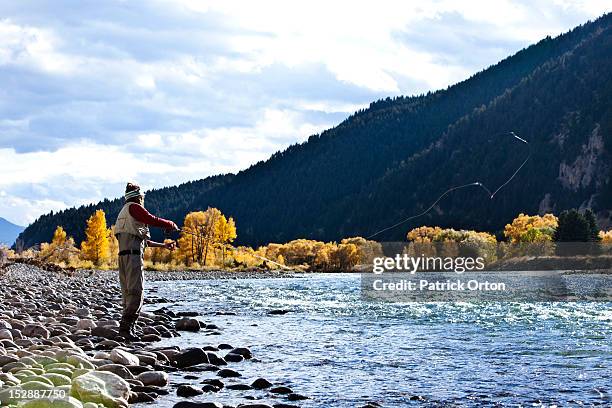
column 151, row 338
column 35, row 330
column 214, row 382
column 233, row 358
column 210, row 388
column 5, row 325
column 190, row 357
column 239, row 387
column 6, row 334
column 243, row 351
column 118, row 369
column 188, row 391
column 261, row 383
column 108, row 323
column 189, row 404
column 228, row 373
column 83, row 312
column 256, row 405
column 156, row 378
column 215, row 359
column 102, row 387
column 225, row 346
column 188, row 324
column 86, row 324
column 104, row 331
column 281, row 390
column 147, row 359
column 296, row 397
column 120, row 356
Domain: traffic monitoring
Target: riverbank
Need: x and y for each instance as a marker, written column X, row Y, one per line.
column 59, row 334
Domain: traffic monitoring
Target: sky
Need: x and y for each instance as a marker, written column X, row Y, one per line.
column 95, row 94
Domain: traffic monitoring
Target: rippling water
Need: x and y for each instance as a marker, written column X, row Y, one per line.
column 343, row 351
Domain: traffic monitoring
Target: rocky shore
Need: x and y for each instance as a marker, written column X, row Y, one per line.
column 59, row 339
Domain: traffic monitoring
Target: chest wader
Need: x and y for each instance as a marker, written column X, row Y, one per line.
column 132, row 237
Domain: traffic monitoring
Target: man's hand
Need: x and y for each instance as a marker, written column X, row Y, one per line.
column 170, row 245
column 173, row 227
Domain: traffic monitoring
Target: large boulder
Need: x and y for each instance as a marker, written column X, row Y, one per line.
column 120, row 356
column 101, row 387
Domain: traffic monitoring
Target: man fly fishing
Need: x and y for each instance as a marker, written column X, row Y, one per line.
column 132, row 231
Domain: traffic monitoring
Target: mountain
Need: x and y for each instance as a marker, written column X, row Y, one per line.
column 9, row 232
column 393, row 159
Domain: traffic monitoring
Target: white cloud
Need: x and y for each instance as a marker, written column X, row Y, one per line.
column 169, row 91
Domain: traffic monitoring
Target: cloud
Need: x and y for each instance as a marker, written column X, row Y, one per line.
column 94, row 93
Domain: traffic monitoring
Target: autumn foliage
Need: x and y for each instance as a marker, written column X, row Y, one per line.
column 531, row 228
column 207, row 237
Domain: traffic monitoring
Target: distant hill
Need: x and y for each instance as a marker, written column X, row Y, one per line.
column 9, row 232
column 392, row 160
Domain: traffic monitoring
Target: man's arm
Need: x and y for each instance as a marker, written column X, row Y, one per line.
column 140, row 214
column 168, row 245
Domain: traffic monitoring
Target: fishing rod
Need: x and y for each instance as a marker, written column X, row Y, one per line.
column 474, row 184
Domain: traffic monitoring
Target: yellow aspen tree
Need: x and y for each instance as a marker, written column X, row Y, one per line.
column 191, row 242
column 48, row 251
column 95, row 248
column 59, row 237
column 225, row 234
column 209, row 230
column 531, row 228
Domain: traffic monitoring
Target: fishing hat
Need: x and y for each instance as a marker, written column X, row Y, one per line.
column 132, row 190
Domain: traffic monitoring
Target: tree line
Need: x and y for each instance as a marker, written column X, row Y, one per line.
column 206, row 241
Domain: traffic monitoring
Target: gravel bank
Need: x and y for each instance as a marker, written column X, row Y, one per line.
column 59, row 336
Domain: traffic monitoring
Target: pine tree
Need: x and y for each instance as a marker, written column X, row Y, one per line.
column 95, row 248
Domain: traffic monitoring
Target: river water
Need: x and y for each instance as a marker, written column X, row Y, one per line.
column 343, row 351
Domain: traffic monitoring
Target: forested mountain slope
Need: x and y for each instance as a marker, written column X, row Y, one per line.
column 393, row 159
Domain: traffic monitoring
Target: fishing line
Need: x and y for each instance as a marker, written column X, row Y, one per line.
column 474, row 184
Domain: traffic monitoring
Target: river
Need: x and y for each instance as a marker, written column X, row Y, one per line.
column 343, row 351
